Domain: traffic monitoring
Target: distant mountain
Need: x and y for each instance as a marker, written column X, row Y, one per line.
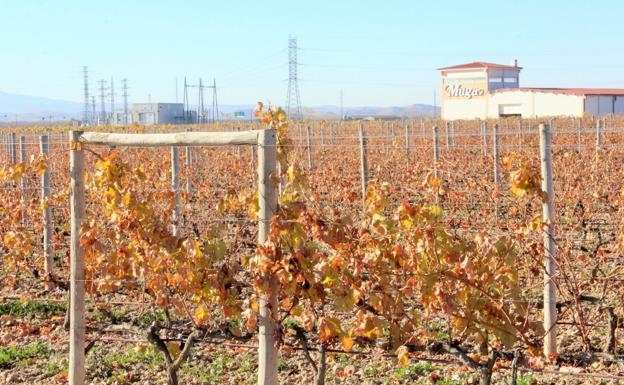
column 411, row 111
column 25, row 108
column 333, row 112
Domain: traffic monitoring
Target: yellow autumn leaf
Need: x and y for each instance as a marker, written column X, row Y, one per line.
column 201, row 314
column 174, row 349
column 347, row 342
column 402, row 355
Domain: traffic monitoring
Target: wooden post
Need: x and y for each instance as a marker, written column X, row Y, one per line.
column 238, row 148
column 77, row 265
column 48, row 256
column 189, row 168
column 322, row 128
column 363, row 163
column 548, row 217
column 267, row 352
column 13, row 148
column 436, row 150
column 22, row 141
column 598, row 136
column 175, row 186
column 453, row 134
column 385, row 140
column 252, row 163
column 495, row 149
column 407, row 139
column 309, row 146
column 484, row 138
column 447, row 128
column 580, row 133
column 519, row 133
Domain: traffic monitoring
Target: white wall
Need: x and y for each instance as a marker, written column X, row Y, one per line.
column 460, row 108
column 537, row 104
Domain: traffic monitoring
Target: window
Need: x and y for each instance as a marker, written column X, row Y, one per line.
column 510, row 80
column 496, row 80
column 463, row 80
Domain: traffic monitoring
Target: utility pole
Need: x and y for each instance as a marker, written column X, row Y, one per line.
column 124, row 83
column 112, row 101
column 187, row 112
column 85, row 112
column 215, row 104
column 293, row 100
column 103, row 101
column 200, row 104
column 93, row 114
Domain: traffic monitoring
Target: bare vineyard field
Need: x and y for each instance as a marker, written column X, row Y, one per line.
column 436, row 271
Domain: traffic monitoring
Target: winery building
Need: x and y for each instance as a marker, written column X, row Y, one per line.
column 486, row 90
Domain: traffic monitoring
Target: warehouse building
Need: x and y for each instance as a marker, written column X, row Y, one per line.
column 152, row 113
column 486, row 90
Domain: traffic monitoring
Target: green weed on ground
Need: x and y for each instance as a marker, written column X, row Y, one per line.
column 15, row 355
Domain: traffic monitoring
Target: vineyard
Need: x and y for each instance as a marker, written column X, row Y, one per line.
column 278, row 252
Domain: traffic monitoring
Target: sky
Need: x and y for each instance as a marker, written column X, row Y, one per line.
column 379, row 53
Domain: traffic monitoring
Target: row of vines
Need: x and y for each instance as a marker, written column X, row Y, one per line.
column 433, row 260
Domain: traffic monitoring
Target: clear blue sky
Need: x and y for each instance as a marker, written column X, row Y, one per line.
column 379, row 52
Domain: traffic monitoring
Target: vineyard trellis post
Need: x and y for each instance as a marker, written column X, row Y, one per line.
column 495, row 149
column 407, row 139
column 77, row 265
column 580, row 132
column 484, row 138
column 548, row 217
column 447, row 128
column 13, row 148
column 267, row 351
column 363, row 162
column 189, row 168
column 48, row 256
column 309, row 146
column 22, row 141
column 436, row 150
column 598, row 136
column 453, row 134
column 175, row 186
column 267, row 201
column 322, row 128
column 238, row 149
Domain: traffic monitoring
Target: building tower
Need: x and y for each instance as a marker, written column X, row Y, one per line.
column 293, row 100
column 124, row 83
column 103, row 101
column 86, row 116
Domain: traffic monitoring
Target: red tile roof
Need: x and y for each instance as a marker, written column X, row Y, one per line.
column 476, row 65
column 567, row 91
